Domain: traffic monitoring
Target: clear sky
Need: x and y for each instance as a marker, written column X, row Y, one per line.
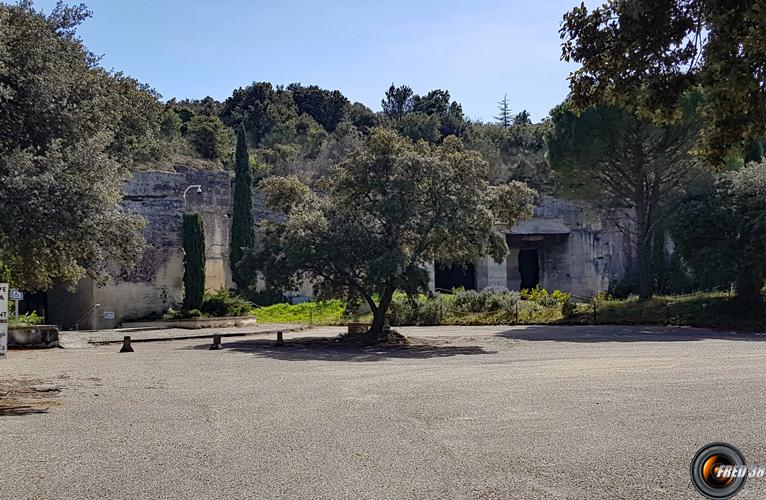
column 478, row 50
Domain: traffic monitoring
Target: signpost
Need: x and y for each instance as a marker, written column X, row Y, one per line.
column 17, row 296
column 3, row 320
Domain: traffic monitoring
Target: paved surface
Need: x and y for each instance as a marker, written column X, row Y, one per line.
column 82, row 338
column 485, row 412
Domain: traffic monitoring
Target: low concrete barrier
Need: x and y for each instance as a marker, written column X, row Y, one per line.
column 196, row 323
column 33, row 337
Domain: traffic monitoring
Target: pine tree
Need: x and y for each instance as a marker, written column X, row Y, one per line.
column 194, row 261
column 242, row 232
column 504, row 118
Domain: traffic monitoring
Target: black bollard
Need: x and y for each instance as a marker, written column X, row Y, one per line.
column 280, row 340
column 126, row 347
column 216, row 343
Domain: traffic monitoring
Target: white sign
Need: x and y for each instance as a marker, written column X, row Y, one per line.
column 108, row 314
column 3, row 320
column 3, row 302
column 3, row 340
column 17, row 294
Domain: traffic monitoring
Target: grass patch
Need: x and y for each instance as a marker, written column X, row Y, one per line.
column 309, row 313
column 708, row 309
column 704, row 309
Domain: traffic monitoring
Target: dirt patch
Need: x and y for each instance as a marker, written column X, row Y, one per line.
column 27, row 396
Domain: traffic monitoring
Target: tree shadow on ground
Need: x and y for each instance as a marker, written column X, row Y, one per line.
column 622, row 333
column 328, row 349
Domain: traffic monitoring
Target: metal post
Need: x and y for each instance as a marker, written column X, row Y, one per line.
column 595, row 316
column 280, row 340
column 216, row 343
column 126, row 347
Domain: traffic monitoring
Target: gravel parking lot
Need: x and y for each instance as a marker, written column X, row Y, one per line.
column 467, row 412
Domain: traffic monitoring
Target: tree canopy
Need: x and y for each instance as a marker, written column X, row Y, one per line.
column 720, row 230
column 62, row 166
column 608, row 155
column 386, row 213
column 645, row 54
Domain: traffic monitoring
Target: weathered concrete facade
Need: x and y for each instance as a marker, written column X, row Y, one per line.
column 566, row 246
column 156, row 283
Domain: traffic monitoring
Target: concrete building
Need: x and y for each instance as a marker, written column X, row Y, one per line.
column 156, row 283
column 565, row 246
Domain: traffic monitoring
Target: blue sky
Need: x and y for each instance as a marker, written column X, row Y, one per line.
column 478, row 50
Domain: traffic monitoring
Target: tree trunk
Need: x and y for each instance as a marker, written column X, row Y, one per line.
column 644, row 250
column 379, row 316
column 644, row 269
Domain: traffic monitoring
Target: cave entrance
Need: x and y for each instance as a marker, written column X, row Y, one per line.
column 452, row 276
column 529, row 268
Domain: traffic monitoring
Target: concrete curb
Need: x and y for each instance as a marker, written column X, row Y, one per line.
column 192, row 337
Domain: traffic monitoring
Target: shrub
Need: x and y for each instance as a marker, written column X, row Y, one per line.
column 494, row 299
column 422, row 311
column 28, row 319
column 569, row 308
column 469, row 301
column 561, row 297
column 224, row 303
column 534, row 294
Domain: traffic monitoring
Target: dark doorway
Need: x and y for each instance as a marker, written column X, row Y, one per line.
column 529, row 267
column 455, row 276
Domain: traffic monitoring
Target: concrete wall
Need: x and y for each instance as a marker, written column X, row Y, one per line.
column 156, row 282
column 581, row 250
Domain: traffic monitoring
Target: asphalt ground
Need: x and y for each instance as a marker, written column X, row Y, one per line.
column 463, row 412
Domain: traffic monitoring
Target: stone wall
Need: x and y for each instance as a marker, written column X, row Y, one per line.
column 581, row 250
column 156, row 282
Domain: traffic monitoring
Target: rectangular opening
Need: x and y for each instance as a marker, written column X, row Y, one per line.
column 529, row 268
column 452, row 276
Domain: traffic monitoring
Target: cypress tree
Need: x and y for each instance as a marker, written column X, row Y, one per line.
column 194, row 261
column 242, row 232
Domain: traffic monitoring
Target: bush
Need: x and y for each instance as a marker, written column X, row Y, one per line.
column 569, row 309
column 494, row 299
column 469, row 301
column 28, row 319
column 421, row 311
column 224, row 303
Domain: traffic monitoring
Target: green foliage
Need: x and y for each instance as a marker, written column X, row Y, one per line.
column 704, row 309
column 210, row 138
column 420, row 127
column 721, row 231
column 242, row 225
column 645, row 55
column 418, row 310
column 62, row 166
column 397, row 102
column 326, row 107
column 504, row 112
column 386, row 213
column 568, row 309
column 261, row 107
column 607, row 155
column 514, row 153
column 28, row 319
column 224, row 303
column 362, row 117
column 488, row 300
column 329, row 312
column 194, row 261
